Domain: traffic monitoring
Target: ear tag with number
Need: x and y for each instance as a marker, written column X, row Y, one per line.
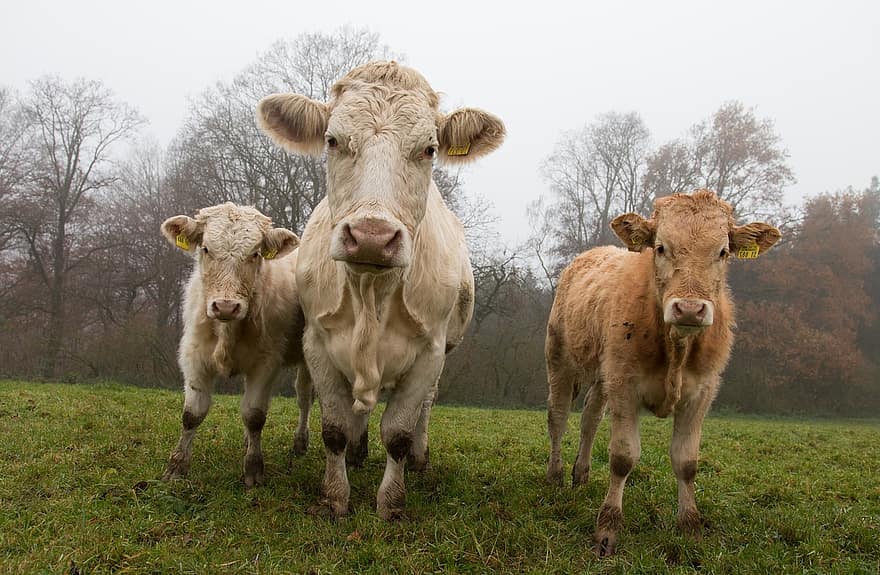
column 269, row 254
column 748, row 252
column 182, row 242
column 459, row 150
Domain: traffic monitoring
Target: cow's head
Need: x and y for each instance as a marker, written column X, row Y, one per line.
column 229, row 244
column 382, row 132
column 692, row 237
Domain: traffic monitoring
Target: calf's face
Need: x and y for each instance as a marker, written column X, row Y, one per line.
column 229, row 244
column 382, row 132
column 692, row 237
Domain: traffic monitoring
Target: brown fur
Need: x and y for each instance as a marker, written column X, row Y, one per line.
column 610, row 326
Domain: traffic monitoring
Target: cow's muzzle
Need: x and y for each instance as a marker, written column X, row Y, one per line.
column 226, row 309
column 689, row 315
column 371, row 242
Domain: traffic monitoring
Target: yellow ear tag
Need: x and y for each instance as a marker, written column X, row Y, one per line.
column 182, row 242
column 459, row 150
column 269, row 254
column 748, row 252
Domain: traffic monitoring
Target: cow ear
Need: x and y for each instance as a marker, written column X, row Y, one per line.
column 295, row 122
column 751, row 240
column 467, row 134
column 277, row 243
column 183, row 232
column 635, row 231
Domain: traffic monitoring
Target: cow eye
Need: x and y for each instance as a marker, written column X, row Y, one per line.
column 204, row 250
column 331, row 142
column 660, row 249
column 430, row 151
column 724, row 253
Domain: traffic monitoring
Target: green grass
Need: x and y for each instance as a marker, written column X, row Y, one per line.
column 79, row 493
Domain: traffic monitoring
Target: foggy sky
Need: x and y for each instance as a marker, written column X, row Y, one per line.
column 543, row 67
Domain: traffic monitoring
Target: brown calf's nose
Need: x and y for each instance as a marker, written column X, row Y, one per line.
column 688, row 310
column 225, row 308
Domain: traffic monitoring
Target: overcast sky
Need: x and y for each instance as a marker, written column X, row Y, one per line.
column 543, row 67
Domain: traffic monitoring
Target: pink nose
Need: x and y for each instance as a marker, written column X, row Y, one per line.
column 371, row 241
column 225, row 309
column 689, row 312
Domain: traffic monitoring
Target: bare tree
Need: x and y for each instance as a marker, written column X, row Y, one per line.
column 733, row 153
column 72, row 130
column 593, row 174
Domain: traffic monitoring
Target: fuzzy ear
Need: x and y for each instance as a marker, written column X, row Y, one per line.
column 467, row 134
column 753, row 239
column 295, row 122
column 183, row 232
column 277, row 243
column 635, row 231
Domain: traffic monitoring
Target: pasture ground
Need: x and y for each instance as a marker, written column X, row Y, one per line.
column 79, row 493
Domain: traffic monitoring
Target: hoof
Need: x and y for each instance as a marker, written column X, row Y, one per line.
column 393, row 515
column 605, row 545
column 554, row 475
column 579, row 476
column 690, row 523
column 300, row 445
column 326, row 509
column 253, row 471
column 608, row 524
column 177, row 468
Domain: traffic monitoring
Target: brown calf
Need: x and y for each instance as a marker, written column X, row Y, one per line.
column 646, row 328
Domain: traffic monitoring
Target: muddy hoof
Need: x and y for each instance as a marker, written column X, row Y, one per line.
column 605, row 546
column 325, row 509
column 300, row 445
column 690, row 523
column 177, row 468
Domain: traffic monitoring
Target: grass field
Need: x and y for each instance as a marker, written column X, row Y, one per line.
column 79, row 493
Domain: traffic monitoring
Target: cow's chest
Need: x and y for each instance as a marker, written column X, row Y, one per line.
column 390, row 350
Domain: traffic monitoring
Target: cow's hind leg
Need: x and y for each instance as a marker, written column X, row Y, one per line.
column 357, row 450
column 304, row 399
column 418, row 458
column 197, row 401
column 624, row 453
column 254, row 408
column 684, row 453
column 561, row 383
column 594, row 410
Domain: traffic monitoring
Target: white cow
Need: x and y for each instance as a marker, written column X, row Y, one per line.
column 241, row 314
column 383, row 274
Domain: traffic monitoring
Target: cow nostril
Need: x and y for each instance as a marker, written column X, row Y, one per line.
column 676, row 310
column 235, row 309
column 348, row 238
column 214, row 307
column 701, row 313
column 394, row 243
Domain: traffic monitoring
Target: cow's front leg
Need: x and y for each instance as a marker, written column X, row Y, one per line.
column 254, row 407
column 684, row 452
column 304, row 399
column 397, row 428
column 197, row 401
column 624, row 452
column 418, row 458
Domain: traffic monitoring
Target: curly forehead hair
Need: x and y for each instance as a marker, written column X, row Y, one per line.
column 388, row 74
column 234, row 213
column 700, row 202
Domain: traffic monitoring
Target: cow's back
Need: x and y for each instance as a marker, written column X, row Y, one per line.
column 587, row 297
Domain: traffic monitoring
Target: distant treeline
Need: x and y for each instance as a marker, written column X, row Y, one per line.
column 89, row 289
